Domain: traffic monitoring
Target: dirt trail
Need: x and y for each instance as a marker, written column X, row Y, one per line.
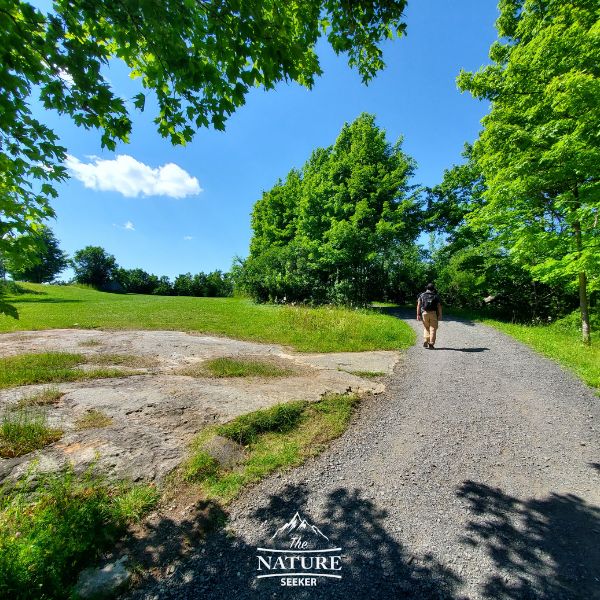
column 476, row 475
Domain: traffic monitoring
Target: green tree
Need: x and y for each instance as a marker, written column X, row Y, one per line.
column 197, row 60
column 472, row 268
column 136, row 281
column 327, row 232
column 164, row 287
column 539, row 150
column 94, row 266
column 45, row 261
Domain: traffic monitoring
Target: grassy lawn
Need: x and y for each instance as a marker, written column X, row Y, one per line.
column 305, row 329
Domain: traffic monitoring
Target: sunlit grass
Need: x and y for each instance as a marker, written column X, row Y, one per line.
column 50, row 367
column 237, row 367
column 323, row 329
column 47, row 396
column 48, row 534
column 93, row 419
column 23, row 431
column 275, row 438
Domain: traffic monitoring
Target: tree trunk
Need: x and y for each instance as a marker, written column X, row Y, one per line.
column 585, row 314
column 583, row 301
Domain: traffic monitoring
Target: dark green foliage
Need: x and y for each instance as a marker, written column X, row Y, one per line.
column 472, row 268
column 136, row 281
column 94, row 266
column 214, row 284
column 246, row 428
column 334, row 231
column 44, row 261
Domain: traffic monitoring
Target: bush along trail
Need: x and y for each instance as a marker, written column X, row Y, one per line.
column 475, row 476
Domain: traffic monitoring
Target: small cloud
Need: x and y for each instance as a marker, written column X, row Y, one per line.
column 187, row 238
column 132, row 178
column 128, row 226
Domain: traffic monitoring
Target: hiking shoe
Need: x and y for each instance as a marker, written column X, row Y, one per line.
column 425, row 344
column 431, row 347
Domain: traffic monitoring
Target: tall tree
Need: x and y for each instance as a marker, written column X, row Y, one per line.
column 540, row 149
column 197, row 59
column 328, row 232
column 45, row 261
column 94, row 266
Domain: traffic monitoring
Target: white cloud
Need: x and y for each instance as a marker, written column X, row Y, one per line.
column 187, row 238
column 128, row 225
column 132, row 178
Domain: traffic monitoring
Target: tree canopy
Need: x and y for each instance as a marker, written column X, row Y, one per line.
column 94, row 266
column 332, row 231
column 44, row 262
column 539, row 150
column 196, row 59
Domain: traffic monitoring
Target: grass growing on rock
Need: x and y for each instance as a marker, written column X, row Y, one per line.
column 279, row 437
column 238, row 367
column 368, row 374
column 47, row 535
column 23, row 431
column 50, row 367
column 323, row 329
column 49, row 395
column 93, row 419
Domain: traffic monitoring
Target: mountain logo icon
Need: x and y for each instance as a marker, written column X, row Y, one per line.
column 302, row 556
column 298, row 525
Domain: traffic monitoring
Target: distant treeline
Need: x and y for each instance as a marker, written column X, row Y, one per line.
column 96, row 267
column 137, row 281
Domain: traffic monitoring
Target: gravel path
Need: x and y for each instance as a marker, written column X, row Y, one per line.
column 476, row 475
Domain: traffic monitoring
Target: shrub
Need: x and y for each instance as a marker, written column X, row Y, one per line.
column 246, row 428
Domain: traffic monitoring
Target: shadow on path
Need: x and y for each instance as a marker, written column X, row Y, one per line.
column 374, row 563
column 462, row 349
column 548, row 548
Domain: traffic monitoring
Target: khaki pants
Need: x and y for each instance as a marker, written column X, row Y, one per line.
column 430, row 325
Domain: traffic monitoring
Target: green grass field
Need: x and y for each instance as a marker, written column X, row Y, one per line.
column 321, row 329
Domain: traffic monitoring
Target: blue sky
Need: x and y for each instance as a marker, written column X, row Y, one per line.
column 415, row 97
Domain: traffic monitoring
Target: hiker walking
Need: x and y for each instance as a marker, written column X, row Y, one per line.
column 429, row 310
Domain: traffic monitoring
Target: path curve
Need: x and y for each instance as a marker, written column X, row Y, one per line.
column 476, row 475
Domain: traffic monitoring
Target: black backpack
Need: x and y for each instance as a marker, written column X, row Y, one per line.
column 429, row 301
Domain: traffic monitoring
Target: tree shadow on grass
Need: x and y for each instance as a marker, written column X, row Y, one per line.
column 8, row 309
column 374, row 562
column 548, row 548
column 48, row 300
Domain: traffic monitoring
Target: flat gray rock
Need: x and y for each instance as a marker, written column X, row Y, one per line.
column 225, row 451
column 103, row 583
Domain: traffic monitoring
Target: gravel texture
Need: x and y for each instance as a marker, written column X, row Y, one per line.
column 476, row 475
